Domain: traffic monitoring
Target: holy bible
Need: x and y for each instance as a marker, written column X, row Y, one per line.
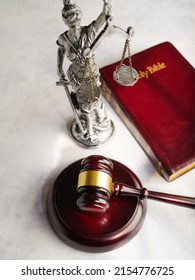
column 159, row 110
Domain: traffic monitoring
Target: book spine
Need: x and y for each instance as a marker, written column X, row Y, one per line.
column 129, row 123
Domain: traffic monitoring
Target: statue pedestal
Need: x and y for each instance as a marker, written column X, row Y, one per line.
column 93, row 137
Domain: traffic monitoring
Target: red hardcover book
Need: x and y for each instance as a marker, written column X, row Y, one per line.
column 159, row 110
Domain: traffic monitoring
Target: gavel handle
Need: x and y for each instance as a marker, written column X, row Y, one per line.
column 122, row 189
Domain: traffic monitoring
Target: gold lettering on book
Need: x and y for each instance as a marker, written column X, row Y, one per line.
column 151, row 70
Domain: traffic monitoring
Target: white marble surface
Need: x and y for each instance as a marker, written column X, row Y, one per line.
column 34, row 141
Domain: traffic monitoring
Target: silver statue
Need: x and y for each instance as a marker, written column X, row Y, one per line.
column 91, row 126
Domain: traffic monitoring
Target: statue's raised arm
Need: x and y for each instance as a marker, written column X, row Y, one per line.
column 105, row 15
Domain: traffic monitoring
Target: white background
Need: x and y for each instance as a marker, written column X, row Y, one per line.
column 34, row 141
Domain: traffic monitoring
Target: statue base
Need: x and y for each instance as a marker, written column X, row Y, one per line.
column 91, row 136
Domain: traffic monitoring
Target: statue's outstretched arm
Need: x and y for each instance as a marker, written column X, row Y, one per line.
column 104, row 16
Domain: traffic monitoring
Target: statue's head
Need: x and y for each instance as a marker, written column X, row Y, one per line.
column 71, row 13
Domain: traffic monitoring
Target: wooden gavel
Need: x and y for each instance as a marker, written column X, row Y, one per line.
column 95, row 187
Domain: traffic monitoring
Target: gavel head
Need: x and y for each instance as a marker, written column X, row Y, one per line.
column 94, row 184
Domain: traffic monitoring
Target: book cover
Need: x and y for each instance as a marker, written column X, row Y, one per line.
column 159, row 110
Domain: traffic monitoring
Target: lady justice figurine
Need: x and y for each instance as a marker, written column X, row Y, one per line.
column 91, row 126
